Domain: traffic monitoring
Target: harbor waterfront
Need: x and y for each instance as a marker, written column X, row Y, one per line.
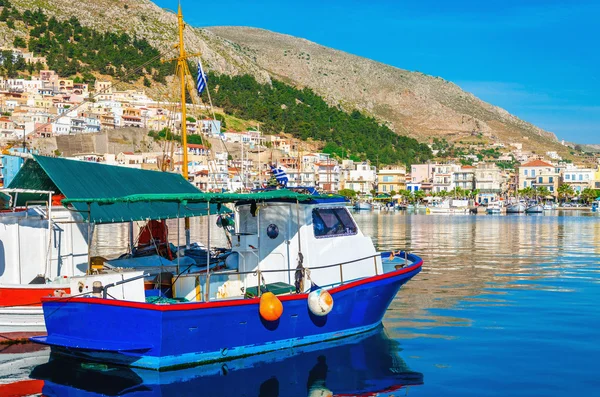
column 504, row 305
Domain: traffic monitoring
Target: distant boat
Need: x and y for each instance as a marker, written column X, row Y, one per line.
column 446, row 207
column 534, row 208
column 493, row 208
column 515, row 208
column 363, row 206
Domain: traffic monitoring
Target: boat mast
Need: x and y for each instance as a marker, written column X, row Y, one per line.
column 181, row 67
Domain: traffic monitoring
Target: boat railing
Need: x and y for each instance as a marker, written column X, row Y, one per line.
column 236, row 275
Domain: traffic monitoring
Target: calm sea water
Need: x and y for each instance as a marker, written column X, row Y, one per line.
column 504, row 306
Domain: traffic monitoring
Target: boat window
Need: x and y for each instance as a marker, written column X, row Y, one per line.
column 331, row 222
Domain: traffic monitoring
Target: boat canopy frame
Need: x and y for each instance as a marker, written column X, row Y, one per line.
column 214, row 198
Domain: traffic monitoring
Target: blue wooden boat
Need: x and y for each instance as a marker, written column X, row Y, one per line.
column 279, row 233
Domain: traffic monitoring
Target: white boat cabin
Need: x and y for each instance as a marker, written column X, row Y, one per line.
column 272, row 238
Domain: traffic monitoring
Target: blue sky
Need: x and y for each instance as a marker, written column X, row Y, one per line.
column 538, row 59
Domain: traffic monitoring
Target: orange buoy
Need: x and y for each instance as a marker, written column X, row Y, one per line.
column 270, row 307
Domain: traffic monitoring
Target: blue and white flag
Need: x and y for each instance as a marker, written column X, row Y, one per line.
column 201, row 79
column 280, row 175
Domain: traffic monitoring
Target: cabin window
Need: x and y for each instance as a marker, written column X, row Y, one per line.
column 331, row 222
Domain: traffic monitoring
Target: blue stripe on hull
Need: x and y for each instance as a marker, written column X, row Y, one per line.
column 186, row 337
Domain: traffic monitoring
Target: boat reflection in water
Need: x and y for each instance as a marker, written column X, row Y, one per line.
column 361, row 365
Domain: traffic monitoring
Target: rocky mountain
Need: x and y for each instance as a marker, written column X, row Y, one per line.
column 411, row 103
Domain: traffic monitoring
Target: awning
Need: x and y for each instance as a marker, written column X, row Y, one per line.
column 81, row 179
column 216, row 198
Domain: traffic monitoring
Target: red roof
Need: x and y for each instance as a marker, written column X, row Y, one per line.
column 6, row 120
column 129, row 153
column 466, row 167
column 196, row 146
column 537, row 163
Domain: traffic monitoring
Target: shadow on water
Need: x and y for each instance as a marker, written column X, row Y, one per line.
column 361, row 365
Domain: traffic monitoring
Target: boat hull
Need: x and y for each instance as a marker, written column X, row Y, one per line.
column 535, row 209
column 21, row 314
column 515, row 209
column 167, row 336
column 364, row 364
column 363, row 207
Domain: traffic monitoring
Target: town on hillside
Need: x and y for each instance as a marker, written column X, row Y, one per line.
column 50, row 107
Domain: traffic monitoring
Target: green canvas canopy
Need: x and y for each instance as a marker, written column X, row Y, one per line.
column 81, row 179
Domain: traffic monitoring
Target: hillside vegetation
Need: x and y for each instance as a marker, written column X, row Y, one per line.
column 305, row 115
column 409, row 103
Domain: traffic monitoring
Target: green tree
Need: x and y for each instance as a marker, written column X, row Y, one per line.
column 19, row 42
column 348, row 193
column 565, row 192
column 588, row 195
column 419, row 195
column 543, row 192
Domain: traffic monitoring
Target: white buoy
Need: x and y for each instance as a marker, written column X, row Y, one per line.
column 320, row 302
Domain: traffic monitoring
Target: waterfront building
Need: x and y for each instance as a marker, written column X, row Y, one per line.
column 391, row 179
column 328, row 173
column 464, row 178
column 358, row 176
column 578, row 178
column 491, row 182
column 538, row 173
column 443, row 177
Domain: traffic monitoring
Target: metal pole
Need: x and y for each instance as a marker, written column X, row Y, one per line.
column 258, row 253
column 89, row 237
column 178, row 236
column 131, row 239
column 207, row 293
column 49, row 252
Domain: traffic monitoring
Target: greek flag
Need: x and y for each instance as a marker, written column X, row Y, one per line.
column 280, row 175
column 201, row 79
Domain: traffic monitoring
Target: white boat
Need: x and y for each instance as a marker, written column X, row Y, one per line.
column 494, row 208
column 42, row 248
column 449, row 207
column 363, row 206
column 534, row 208
column 515, row 208
column 548, row 207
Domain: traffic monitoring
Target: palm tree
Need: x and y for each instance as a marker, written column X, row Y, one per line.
column 419, row 194
column 565, row 191
column 588, row 195
column 543, row 191
column 526, row 192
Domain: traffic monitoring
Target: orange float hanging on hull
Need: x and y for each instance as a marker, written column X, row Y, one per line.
column 270, row 307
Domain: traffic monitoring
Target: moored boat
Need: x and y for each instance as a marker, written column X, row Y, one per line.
column 363, row 206
column 516, row 208
column 45, row 245
column 534, row 208
column 493, row 208
column 287, row 245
